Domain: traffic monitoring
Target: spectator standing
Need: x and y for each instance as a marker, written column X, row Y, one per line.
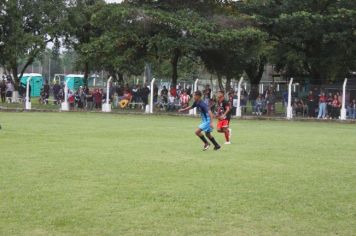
column 270, row 100
column 253, row 96
column 164, row 95
column 311, row 104
column 56, row 89
column 173, row 91
column 171, row 103
column 207, row 94
column 234, row 100
column 329, row 105
column 135, row 94
column 352, row 109
column 184, row 99
column 90, row 100
column 22, row 90
column 155, row 94
column 298, row 106
column 336, row 105
column 258, row 105
column 71, row 100
column 322, row 106
column 80, row 98
column 3, row 91
column 145, row 92
column 97, row 95
column 9, row 90
column 179, row 91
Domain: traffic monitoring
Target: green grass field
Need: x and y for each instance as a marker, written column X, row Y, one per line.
column 99, row 174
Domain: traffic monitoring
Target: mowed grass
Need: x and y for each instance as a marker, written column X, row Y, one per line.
column 99, row 174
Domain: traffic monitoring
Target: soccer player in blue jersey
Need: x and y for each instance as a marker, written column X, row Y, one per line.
column 207, row 121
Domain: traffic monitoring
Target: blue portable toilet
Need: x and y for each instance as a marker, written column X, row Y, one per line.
column 74, row 81
column 36, row 83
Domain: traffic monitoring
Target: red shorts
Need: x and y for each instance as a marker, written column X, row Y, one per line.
column 223, row 124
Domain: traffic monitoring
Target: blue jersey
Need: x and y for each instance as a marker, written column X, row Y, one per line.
column 203, row 109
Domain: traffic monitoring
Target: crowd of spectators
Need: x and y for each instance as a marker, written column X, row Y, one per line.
column 173, row 99
column 7, row 88
column 320, row 104
column 323, row 105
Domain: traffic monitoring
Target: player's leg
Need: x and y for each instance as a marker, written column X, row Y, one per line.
column 220, row 127
column 226, row 130
column 199, row 133
column 212, row 139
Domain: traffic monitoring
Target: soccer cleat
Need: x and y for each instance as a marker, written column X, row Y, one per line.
column 227, row 143
column 206, row 146
column 216, row 148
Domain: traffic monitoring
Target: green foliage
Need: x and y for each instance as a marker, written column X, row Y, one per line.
column 314, row 38
column 80, row 31
column 301, row 38
column 26, row 29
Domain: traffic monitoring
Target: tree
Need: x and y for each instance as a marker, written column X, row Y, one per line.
column 312, row 37
column 26, row 29
column 175, row 28
column 80, row 30
column 230, row 46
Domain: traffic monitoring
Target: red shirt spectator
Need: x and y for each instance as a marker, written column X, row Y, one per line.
column 322, row 99
column 98, row 97
column 184, row 99
column 336, row 103
column 173, row 92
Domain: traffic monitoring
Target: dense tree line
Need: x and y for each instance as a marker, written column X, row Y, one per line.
column 304, row 39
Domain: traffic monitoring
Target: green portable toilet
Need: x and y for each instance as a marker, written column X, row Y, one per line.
column 36, row 83
column 74, row 81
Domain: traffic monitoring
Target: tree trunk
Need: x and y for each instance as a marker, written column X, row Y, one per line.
column 15, row 76
column 255, row 71
column 174, row 62
column 316, row 77
column 228, row 85
column 221, row 86
column 86, row 73
column 120, row 78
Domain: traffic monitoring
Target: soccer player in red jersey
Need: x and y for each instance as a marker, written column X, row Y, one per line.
column 224, row 116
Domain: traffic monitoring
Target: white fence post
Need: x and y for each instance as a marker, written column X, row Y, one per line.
column 28, row 102
column 343, row 109
column 107, row 105
column 289, row 107
column 238, row 107
column 65, row 105
column 195, row 89
column 151, row 100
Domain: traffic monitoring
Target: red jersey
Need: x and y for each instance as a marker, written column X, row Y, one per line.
column 222, row 108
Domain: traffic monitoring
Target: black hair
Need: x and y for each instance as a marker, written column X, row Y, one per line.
column 221, row 91
column 198, row 93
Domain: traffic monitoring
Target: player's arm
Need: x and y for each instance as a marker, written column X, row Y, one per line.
column 228, row 109
column 185, row 109
column 211, row 119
